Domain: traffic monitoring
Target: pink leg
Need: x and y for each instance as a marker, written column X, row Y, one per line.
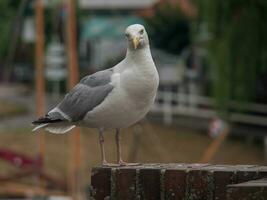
column 102, row 147
column 118, row 139
column 119, row 157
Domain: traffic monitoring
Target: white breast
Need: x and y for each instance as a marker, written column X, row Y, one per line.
column 130, row 100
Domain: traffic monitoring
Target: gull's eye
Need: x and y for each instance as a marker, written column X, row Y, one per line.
column 141, row 31
column 127, row 35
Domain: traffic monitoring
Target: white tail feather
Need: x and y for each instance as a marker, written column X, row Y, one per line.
column 59, row 128
column 38, row 127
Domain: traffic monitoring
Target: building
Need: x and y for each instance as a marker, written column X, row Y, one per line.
column 102, row 41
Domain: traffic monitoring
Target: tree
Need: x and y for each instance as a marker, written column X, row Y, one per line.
column 169, row 28
column 238, row 48
column 14, row 37
column 8, row 10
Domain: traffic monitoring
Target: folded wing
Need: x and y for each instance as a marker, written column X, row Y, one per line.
column 90, row 92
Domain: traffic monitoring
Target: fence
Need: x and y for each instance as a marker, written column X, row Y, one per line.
column 171, row 104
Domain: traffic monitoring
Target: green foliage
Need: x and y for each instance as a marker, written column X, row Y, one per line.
column 238, row 48
column 169, row 29
column 7, row 13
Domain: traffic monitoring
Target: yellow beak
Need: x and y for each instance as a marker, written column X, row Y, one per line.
column 136, row 42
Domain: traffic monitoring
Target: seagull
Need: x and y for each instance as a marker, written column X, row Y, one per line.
column 114, row 98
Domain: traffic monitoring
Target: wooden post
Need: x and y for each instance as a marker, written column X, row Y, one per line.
column 39, row 73
column 75, row 157
column 214, row 146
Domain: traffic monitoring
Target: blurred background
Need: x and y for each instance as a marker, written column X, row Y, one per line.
column 211, row 105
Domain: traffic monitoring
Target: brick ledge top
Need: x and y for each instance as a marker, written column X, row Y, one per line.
column 199, row 166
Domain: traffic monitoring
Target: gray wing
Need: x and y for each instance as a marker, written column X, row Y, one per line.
column 85, row 96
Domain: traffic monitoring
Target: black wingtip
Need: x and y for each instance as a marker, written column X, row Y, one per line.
column 45, row 120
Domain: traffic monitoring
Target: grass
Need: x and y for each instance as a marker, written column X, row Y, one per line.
column 8, row 109
column 150, row 143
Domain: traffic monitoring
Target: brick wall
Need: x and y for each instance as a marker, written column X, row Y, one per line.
column 178, row 181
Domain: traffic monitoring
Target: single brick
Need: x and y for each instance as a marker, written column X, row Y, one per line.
column 125, row 179
column 199, row 185
column 223, row 175
column 150, row 183
column 174, row 184
column 245, row 173
column 101, row 183
column 262, row 172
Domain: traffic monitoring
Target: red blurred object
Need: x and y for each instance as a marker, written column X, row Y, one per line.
column 29, row 167
column 18, row 159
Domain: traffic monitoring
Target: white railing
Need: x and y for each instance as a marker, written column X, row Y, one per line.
column 171, row 104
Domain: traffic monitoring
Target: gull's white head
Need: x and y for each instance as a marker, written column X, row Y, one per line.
column 137, row 37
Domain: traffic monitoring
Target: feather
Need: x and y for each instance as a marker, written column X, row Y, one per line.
column 38, row 127
column 59, row 128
